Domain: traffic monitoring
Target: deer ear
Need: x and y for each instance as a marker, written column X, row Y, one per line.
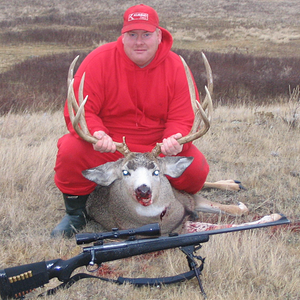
column 176, row 165
column 104, row 174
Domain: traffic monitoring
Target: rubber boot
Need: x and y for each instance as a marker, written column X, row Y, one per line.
column 75, row 218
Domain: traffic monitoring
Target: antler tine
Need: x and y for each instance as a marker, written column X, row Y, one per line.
column 210, row 83
column 194, row 101
column 78, row 120
column 205, row 110
column 205, row 119
column 190, row 84
column 200, row 115
column 71, row 70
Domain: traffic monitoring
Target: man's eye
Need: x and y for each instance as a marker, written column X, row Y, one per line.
column 125, row 173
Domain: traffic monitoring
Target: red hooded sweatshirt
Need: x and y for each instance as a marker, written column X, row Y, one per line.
column 143, row 104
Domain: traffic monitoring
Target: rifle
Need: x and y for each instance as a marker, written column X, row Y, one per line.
column 16, row 282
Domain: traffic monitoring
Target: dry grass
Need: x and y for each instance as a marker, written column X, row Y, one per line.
column 251, row 144
column 258, row 145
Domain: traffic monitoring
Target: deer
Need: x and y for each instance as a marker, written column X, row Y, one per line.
column 134, row 190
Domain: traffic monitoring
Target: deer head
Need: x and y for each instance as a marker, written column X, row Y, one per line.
column 140, row 174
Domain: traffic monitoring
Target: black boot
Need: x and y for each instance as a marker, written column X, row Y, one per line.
column 75, row 218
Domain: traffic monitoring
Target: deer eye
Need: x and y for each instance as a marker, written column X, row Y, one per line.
column 125, row 173
column 155, row 173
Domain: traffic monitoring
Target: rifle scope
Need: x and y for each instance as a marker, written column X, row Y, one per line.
column 146, row 230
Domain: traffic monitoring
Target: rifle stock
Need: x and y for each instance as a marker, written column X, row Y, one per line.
column 17, row 281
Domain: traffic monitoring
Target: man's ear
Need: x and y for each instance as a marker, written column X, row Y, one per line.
column 123, row 38
column 159, row 36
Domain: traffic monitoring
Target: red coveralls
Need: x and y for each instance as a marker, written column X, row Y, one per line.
column 145, row 105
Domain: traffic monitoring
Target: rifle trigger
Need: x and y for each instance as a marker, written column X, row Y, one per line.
column 196, row 248
column 93, row 268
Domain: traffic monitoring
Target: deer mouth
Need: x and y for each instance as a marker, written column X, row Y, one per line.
column 144, row 201
column 143, row 195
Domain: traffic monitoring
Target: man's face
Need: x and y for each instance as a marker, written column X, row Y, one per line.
column 141, row 46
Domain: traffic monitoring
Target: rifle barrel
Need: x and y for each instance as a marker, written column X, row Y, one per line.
column 118, row 250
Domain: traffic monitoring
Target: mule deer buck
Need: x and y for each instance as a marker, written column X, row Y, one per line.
column 134, row 190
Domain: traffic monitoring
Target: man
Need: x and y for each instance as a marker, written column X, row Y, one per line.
column 136, row 88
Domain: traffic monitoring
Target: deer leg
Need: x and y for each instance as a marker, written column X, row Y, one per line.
column 228, row 185
column 204, row 205
column 190, row 226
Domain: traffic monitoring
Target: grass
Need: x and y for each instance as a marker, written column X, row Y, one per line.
column 255, row 142
column 238, row 266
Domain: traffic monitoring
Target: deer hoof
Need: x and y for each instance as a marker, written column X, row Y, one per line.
column 241, row 187
column 243, row 208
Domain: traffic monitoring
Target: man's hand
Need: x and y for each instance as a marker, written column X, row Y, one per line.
column 105, row 143
column 170, row 145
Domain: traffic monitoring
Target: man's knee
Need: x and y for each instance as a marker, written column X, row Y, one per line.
column 194, row 177
column 72, row 149
column 74, row 156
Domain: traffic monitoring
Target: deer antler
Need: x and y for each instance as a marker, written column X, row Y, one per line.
column 202, row 113
column 201, row 122
column 78, row 119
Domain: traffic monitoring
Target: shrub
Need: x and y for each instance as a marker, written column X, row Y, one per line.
column 37, row 84
column 239, row 78
column 40, row 83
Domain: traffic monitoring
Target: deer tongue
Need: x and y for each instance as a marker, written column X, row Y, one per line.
column 145, row 201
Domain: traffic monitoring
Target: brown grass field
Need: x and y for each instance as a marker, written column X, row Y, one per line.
column 257, row 144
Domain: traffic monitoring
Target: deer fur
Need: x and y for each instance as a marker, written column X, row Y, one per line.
column 134, row 191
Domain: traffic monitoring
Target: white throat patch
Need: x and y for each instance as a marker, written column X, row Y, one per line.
column 150, row 211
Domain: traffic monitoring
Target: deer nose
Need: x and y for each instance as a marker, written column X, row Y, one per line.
column 143, row 192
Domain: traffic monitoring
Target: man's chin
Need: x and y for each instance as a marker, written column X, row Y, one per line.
column 142, row 63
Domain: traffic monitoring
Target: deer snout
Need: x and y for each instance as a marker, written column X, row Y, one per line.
column 143, row 195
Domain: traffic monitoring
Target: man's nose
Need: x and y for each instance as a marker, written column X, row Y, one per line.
column 139, row 39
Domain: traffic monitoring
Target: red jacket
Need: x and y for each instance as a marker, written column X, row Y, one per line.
column 143, row 104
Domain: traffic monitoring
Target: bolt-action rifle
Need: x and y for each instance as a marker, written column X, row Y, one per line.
column 16, row 282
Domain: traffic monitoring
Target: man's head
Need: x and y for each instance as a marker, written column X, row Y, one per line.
column 140, row 17
column 141, row 34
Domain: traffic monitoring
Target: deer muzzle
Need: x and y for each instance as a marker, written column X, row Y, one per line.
column 143, row 195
